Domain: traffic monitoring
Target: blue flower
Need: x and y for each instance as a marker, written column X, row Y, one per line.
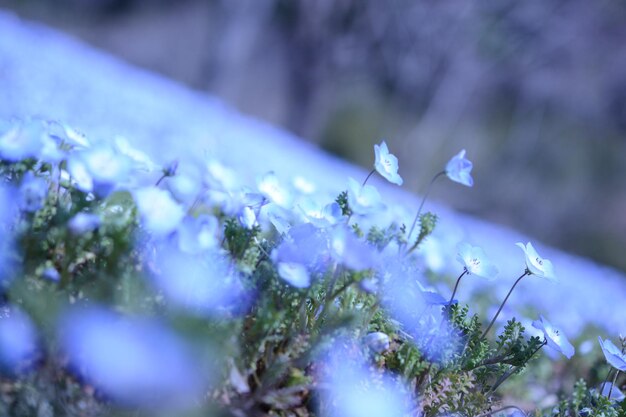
column 305, row 245
column 33, row 192
column 273, row 190
column 535, row 264
column 352, row 252
column 133, row 361
column 554, row 337
column 198, row 234
column 83, row 223
column 475, row 261
column 206, row 283
column 458, row 169
column 386, row 164
column 18, row 339
column 377, row 341
column 354, row 390
column 614, row 356
column 609, row 389
column 161, row 215
column 20, row 140
column 294, row 273
column 363, row 199
column 318, row 214
column 99, row 169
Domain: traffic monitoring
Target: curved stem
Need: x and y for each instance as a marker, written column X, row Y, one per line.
column 456, row 286
column 613, row 384
column 161, row 179
column 419, row 210
column 508, row 407
column 368, row 177
column 527, row 272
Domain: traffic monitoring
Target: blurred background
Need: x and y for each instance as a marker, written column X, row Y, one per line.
column 535, row 91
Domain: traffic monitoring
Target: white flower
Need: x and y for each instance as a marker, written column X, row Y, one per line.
column 273, row 190
column 475, row 261
column 377, row 341
column 318, row 214
column 294, row 273
column 555, row 337
column 458, row 169
column 363, row 199
column 537, row 265
column 387, row 164
column 160, row 213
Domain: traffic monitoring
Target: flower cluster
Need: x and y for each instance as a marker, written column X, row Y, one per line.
column 135, row 288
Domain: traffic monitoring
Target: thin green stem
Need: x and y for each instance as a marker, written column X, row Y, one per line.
column 606, row 379
column 526, row 272
column 613, row 384
column 419, row 210
column 456, row 286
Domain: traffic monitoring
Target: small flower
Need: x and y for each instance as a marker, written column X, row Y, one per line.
column 33, row 192
column 535, row 264
column 83, row 223
column 363, row 199
column 294, row 273
column 160, row 213
column 475, row 261
column 613, row 354
column 273, row 190
column 377, row 341
column 458, row 169
column 554, row 337
column 320, row 215
column 387, row 164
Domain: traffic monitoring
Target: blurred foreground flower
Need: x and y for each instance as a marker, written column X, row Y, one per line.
column 159, row 212
column 458, row 169
column 386, row 164
column 33, row 192
column 535, row 264
column 554, row 337
column 353, row 390
column 614, row 356
column 136, row 362
column 18, row 339
column 205, row 284
column 363, row 199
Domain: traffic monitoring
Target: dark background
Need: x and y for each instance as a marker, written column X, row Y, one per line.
column 534, row 90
